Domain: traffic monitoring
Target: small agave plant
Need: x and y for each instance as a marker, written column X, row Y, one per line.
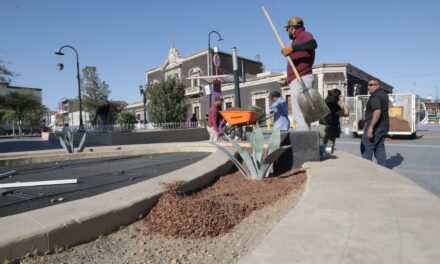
column 66, row 140
column 258, row 168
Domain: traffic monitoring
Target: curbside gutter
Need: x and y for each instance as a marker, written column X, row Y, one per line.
column 80, row 221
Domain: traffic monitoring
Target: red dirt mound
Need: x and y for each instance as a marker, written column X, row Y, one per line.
column 218, row 208
column 397, row 124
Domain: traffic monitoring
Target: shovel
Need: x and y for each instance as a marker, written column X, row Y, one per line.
column 310, row 101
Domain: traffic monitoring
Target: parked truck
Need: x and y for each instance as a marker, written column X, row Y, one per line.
column 405, row 110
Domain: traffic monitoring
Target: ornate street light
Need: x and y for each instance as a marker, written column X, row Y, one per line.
column 210, row 58
column 143, row 91
column 61, row 67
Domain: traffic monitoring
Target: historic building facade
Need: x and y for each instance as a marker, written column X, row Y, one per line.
column 196, row 65
column 349, row 79
column 255, row 84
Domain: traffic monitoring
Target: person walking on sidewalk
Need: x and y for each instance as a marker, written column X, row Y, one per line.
column 329, row 126
column 377, row 123
column 280, row 111
column 302, row 52
column 214, row 119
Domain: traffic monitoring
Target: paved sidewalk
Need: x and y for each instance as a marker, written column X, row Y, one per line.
column 356, row 212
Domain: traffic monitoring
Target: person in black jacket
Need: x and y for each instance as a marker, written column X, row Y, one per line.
column 329, row 126
column 377, row 123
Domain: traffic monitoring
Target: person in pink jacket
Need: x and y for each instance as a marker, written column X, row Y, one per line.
column 214, row 119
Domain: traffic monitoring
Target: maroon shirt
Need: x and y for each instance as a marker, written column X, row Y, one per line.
column 303, row 60
column 214, row 117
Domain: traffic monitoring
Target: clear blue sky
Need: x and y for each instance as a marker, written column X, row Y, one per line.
column 395, row 40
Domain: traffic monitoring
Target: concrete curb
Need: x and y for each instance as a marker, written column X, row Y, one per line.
column 79, row 221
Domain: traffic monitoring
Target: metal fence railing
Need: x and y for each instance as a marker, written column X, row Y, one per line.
column 132, row 127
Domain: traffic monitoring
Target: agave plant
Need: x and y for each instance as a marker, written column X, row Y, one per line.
column 258, row 168
column 67, row 138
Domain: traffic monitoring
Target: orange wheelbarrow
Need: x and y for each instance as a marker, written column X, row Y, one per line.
column 237, row 119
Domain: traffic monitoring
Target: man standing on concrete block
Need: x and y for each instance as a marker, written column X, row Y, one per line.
column 302, row 52
column 377, row 123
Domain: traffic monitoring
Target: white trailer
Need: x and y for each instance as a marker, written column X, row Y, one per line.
column 409, row 107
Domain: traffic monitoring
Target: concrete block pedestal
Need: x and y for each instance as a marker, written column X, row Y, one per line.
column 304, row 147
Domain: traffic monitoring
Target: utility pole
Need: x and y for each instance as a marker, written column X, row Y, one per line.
column 209, row 68
column 436, row 93
column 236, row 77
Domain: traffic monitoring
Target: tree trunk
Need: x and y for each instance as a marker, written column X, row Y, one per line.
column 20, row 132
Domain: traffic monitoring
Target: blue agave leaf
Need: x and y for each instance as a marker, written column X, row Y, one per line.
column 257, row 145
column 267, row 163
column 245, row 156
column 63, row 142
column 69, row 139
column 274, row 141
column 233, row 159
column 83, row 143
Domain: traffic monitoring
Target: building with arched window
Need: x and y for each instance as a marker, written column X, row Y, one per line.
column 255, row 84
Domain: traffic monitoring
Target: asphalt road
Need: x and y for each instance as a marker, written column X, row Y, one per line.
column 418, row 159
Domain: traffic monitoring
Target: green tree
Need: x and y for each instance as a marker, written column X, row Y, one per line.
column 166, row 102
column 5, row 74
column 94, row 91
column 35, row 116
column 2, row 111
column 22, row 106
column 60, row 119
column 116, row 108
column 126, row 118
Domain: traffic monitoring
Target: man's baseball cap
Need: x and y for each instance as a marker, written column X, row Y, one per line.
column 274, row 94
column 294, row 21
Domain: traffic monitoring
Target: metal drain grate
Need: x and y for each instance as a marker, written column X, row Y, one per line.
column 94, row 177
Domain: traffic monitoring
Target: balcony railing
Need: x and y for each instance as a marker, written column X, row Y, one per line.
column 193, row 90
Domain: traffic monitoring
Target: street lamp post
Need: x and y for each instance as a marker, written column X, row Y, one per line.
column 60, row 67
column 209, row 59
column 143, row 91
column 236, row 78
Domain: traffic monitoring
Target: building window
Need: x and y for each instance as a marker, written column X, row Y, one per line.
column 228, row 102
column 196, row 111
column 195, row 82
column 261, row 103
column 195, row 72
column 173, row 76
column 153, row 82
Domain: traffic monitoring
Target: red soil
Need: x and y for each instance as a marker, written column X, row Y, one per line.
column 218, row 208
